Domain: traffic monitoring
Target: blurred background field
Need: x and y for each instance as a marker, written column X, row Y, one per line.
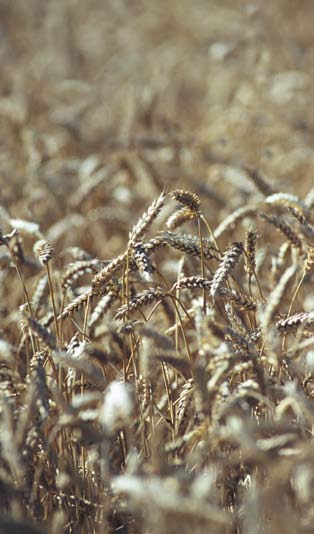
column 165, row 92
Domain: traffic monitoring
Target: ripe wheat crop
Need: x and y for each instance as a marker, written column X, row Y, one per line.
column 156, row 268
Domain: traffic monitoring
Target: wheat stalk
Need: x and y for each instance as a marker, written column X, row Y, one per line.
column 44, row 251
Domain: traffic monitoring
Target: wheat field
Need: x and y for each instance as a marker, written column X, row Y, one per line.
column 156, row 267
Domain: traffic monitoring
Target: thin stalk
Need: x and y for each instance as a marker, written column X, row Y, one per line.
column 169, row 396
column 35, row 346
column 125, row 298
column 173, row 298
column 53, row 301
column 24, row 290
column 294, row 296
column 86, row 316
column 210, row 232
column 202, row 261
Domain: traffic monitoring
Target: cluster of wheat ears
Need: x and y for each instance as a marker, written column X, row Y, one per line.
column 168, row 389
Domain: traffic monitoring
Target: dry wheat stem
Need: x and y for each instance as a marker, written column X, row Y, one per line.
column 202, row 261
column 53, row 301
column 213, row 237
column 176, row 301
column 34, row 346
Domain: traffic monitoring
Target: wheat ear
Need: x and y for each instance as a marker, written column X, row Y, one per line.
column 146, row 220
column 229, row 262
